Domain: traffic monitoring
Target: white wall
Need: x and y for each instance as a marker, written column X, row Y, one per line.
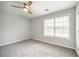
column 37, row 29
column 77, row 29
column 15, row 25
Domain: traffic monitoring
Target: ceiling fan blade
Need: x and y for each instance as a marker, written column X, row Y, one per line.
column 24, row 3
column 29, row 3
column 16, row 6
column 30, row 12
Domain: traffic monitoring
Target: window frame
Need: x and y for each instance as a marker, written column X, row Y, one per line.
column 54, row 17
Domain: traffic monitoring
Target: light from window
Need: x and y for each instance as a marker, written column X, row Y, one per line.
column 62, row 26
column 57, row 27
column 49, row 27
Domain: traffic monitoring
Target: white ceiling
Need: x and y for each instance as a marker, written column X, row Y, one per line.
column 52, row 6
column 39, row 6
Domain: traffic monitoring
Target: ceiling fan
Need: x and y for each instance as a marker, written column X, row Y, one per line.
column 26, row 6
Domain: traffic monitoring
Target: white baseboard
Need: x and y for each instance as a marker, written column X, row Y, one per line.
column 13, row 42
column 55, row 44
column 77, row 52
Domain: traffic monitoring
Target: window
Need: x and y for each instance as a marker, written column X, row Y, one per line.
column 57, row 27
column 62, row 26
column 49, row 27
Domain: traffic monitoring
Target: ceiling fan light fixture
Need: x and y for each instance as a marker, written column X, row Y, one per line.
column 25, row 10
column 26, row 6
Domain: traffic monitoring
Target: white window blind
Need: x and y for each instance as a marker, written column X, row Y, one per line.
column 57, row 27
column 49, row 27
column 62, row 26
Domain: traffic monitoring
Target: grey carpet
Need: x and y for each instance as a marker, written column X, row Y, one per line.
column 33, row 48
